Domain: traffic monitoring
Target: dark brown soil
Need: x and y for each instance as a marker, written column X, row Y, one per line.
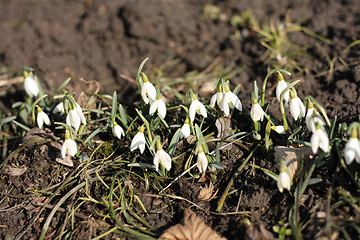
column 107, row 40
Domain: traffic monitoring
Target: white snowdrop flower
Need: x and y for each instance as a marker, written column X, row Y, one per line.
column 297, row 107
column 73, row 119
column 279, row 129
column 161, row 157
column 30, row 85
column 281, row 85
column 256, row 112
column 312, row 116
column 158, row 105
column 147, row 90
column 117, row 130
column 319, row 138
column 230, row 100
column 59, row 108
column 185, row 129
column 80, row 113
column 138, row 141
column 352, row 148
column 196, row 107
column 202, row 161
column 217, row 97
column 69, row 146
column 284, row 181
column 42, row 118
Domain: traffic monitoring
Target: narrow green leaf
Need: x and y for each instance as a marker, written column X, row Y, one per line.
column 63, row 85
column 173, row 143
column 113, row 107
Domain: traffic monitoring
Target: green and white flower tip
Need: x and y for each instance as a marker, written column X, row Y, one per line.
column 185, row 129
column 319, row 138
column 256, row 112
column 312, row 117
column 279, row 129
column 59, row 108
column 117, row 130
column 138, row 141
column 230, row 100
column 196, row 107
column 217, row 97
column 281, row 85
column 158, row 105
column 42, row 118
column 352, row 148
column 75, row 117
column 161, row 157
column 284, row 181
column 69, row 146
column 30, row 85
column 148, row 90
column 297, row 107
column 202, row 161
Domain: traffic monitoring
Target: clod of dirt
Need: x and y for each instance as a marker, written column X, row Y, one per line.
column 192, row 228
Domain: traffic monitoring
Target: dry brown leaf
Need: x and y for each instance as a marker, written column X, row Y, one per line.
column 192, row 228
column 15, row 171
column 293, row 157
column 66, row 161
column 206, row 193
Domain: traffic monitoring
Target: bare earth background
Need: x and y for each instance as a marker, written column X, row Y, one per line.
column 107, row 40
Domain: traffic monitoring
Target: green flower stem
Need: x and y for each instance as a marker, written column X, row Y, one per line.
column 282, row 108
column 265, row 81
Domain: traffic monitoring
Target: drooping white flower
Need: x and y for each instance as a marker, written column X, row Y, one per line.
column 147, row 90
column 69, row 146
column 196, row 107
column 138, row 141
column 202, row 161
column 30, row 85
column 284, row 181
column 352, row 148
column 230, row 100
column 158, row 105
column 281, row 85
column 319, row 138
column 312, row 117
column 42, row 118
column 256, row 112
column 279, row 129
column 73, row 119
column 80, row 113
column 117, row 130
column 185, row 129
column 297, row 107
column 59, row 108
column 161, row 157
column 216, row 99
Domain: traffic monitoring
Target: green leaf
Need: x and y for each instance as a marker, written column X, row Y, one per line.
column 26, row 128
column 94, row 133
column 138, row 81
column 63, row 85
column 7, row 120
column 123, row 115
column 113, row 107
column 173, row 143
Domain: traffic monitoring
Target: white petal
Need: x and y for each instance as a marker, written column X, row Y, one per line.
column 213, row 100
column 118, row 131
column 153, row 108
column 225, row 106
column 161, row 108
column 165, row 159
column 351, row 149
column 202, row 162
column 294, row 108
column 138, row 142
column 284, row 181
column 324, row 141
column 80, row 113
column 70, row 147
column 315, row 141
column 148, row 90
column 31, row 87
column 202, row 109
column 236, row 102
column 256, row 112
column 59, row 108
column 156, row 161
column 185, row 131
column 280, row 129
column 73, row 119
column 40, row 120
column 281, row 87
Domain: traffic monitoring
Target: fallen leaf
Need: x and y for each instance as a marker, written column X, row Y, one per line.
column 192, row 228
column 293, row 157
column 66, row 161
column 206, row 193
column 15, row 171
